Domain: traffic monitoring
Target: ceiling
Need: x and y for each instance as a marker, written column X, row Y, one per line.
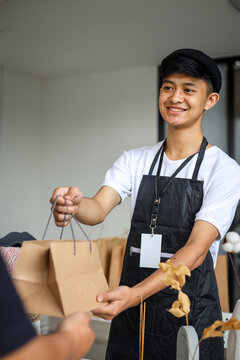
column 57, row 37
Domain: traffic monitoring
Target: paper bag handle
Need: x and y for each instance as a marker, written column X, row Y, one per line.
column 74, row 240
column 79, row 225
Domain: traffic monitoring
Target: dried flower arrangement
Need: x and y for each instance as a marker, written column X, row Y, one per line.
column 176, row 278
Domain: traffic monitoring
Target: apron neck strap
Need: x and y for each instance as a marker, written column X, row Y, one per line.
column 156, row 158
column 158, row 192
column 200, row 158
column 197, row 166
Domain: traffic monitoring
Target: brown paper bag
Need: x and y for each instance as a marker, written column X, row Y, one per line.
column 53, row 281
column 221, row 272
column 116, row 264
column 111, row 252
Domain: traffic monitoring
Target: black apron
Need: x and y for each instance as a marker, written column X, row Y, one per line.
column 173, row 217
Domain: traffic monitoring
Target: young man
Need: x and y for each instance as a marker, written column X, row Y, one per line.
column 184, row 195
column 18, row 340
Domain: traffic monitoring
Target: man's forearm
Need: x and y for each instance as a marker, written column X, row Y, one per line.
column 191, row 255
column 93, row 211
column 154, row 283
column 90, row 212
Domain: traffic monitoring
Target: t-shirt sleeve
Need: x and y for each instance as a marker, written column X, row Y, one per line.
column 15, row 327
column 221, row 197
column 119, row 176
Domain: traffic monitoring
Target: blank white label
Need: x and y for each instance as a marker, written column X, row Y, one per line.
column 150, row 250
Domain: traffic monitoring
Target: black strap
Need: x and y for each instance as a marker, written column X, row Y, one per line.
column 158, row 194
column 155, row 159
column 161, row 150
column 168, row 182
column 200, row 158
column 161, row 157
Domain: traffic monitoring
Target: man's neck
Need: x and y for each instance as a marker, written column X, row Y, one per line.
column 182, row 144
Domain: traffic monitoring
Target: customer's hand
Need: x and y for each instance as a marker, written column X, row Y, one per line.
column 78, row 327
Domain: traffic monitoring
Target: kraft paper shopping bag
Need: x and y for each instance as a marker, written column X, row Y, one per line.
column 111, row 252
column 59, row 277
column 51, row 280
column 116, row 265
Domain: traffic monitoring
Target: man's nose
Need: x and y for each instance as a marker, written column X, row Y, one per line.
column 177, row 96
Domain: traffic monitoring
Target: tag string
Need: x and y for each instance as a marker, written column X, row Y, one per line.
column 69, row 216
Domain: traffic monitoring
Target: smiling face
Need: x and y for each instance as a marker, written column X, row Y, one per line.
column 183, row 100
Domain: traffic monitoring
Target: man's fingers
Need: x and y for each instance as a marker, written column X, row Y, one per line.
column 74, row 192
column 61, row 191
column 63, row 214
column 103, row 298
column 67, row 204
column 76, row 199
column 106, row 297
column 61, row 223
column 107, row 312
column 62, row 219
column 60, row 209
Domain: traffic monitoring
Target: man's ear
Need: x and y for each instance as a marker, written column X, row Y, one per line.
column 212, row 99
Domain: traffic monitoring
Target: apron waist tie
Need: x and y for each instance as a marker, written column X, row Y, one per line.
column 136, row 250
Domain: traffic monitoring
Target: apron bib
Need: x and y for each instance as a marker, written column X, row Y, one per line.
column 166, row 206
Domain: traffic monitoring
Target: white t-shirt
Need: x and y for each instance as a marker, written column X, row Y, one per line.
column 220, row 173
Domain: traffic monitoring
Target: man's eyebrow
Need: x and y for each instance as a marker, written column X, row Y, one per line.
column 168, row 81
column 186, row 83
column 191, row 84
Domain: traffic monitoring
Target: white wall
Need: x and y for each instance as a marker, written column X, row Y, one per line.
column 215, row 120
column 88, row 121
column 20, row 153
column 68, row 131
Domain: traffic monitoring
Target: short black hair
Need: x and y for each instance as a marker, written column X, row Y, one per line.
column 193, row 63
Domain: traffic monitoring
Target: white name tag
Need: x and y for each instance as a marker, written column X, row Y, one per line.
column 150, row 250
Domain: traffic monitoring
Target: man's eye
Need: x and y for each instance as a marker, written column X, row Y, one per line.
column 167, row 88
column 188, row 90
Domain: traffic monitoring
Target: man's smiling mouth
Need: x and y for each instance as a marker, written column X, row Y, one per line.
column 176, row 109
